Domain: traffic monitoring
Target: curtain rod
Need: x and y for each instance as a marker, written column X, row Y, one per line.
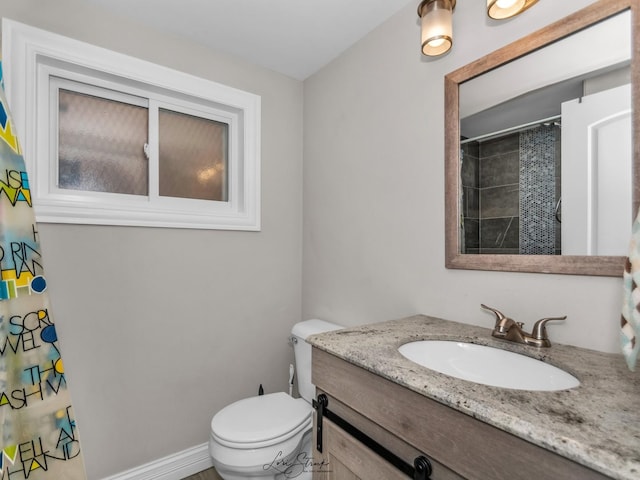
column 510, row 129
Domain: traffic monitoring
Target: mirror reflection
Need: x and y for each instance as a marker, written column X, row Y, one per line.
column 546, row 149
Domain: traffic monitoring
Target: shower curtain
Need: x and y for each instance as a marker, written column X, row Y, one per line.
column 38, row 432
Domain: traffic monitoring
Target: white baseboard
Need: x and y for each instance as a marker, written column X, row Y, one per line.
column 173, row 467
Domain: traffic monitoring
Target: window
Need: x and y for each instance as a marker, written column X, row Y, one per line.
column 110, row 139
column 100, row 142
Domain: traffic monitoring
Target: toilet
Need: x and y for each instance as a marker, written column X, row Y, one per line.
column 269, row 436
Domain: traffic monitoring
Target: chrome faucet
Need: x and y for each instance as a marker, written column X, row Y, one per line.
column 508, row 329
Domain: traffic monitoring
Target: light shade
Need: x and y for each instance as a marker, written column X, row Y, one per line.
column 437, row 28
column 501, row 9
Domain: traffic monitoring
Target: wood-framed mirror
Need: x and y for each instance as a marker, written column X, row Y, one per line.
column 578, row 234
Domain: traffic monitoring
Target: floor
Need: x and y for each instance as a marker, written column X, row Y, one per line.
column 209, row 474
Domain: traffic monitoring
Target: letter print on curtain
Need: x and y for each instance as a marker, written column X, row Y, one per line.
column 38, row 433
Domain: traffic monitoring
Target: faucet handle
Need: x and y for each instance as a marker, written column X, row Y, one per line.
column 499, row 315
column 503, row 322
column 539, row 331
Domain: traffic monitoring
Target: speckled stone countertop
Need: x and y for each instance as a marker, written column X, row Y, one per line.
column 596, row 424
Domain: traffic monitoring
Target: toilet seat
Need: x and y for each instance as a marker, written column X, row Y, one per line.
column 261, row 421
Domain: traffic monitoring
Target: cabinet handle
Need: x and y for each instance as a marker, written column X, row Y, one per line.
column 320, row 406
column 421, row 468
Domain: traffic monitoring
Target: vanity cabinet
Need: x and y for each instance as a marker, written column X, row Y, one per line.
column 409, row 424
column 345, row 458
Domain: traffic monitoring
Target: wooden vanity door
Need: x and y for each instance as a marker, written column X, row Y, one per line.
column 345, row 458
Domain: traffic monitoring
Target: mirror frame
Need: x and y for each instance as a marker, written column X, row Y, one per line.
column 563, row 264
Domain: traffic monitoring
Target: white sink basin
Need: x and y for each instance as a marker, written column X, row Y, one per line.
column 487, row 365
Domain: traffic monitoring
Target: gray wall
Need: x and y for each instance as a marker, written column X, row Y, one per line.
column 149, row 361
column 160, row 328
column 374, row 189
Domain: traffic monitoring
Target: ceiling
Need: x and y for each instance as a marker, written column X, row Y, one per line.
column 293, row 37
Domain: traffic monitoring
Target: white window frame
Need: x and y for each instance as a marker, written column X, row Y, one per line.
column 32, row 58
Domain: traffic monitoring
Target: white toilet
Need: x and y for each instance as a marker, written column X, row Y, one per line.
column 269, row 436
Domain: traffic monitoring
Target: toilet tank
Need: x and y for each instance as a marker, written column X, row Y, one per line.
column 302, row 352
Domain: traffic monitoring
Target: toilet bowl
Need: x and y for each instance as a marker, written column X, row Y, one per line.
column 269, row 436
column 261, row 436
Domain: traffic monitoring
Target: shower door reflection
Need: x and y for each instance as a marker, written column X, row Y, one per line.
column 511, row 191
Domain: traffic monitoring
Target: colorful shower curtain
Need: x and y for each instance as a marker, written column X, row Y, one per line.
column 630, row 319
column 38, row 432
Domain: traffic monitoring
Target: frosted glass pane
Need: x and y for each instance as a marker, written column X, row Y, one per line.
column 100, row 145
column 193, row 157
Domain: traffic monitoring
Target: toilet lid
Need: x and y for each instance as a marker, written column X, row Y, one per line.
column 263, row 419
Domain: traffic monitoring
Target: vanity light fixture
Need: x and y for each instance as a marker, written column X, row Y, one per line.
column 501, row 9
column 437, row 26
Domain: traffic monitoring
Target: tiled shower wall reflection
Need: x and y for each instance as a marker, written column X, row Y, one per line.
column 511, row 186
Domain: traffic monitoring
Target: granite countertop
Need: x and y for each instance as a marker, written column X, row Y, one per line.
column 596, row 424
